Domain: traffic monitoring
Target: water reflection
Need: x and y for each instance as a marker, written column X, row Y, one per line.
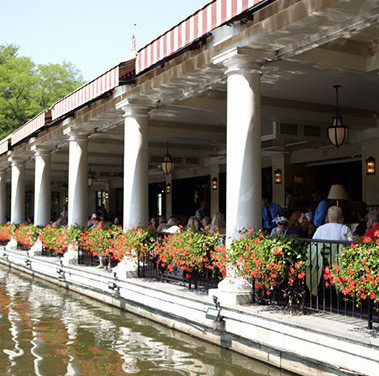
column 50, row 331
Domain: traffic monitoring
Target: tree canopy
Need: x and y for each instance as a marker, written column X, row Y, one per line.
column 26, row 89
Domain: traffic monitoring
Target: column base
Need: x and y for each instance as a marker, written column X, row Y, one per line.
column 232, row 291
column 126, row 268
column 11, row 245
column 71, row 256
column 36, row 249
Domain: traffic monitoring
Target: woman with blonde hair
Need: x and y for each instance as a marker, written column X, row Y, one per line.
column 193, row 224
column 218, row 223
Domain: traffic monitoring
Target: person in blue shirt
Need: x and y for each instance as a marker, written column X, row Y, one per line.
column 269, row 212
column 320, row 213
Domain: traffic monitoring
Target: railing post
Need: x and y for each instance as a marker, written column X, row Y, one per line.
column 370, row 310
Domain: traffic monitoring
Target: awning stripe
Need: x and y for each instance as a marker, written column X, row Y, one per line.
column 206, row 19
column 86, row 93
column 211, row 16
column 28, row 128
column 4, row 146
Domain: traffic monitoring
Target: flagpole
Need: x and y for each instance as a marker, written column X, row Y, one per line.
column 133, row 47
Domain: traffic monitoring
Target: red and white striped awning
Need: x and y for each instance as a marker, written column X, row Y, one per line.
column 91, row 90
column 28, row 128
column 4, row 146
column 200, row 23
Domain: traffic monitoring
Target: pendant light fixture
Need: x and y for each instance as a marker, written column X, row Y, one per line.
column 337, row 132
column 91, row 178
column 167, row 163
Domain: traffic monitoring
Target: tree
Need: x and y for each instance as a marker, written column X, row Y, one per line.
column 27, row 89
column 56, row 81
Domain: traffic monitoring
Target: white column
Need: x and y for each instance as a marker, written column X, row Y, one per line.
column 243, row 168
column 243, row 185
column 3, row 196
column 136, row 199
column 77, row 180
column 17, row 191
column 42, row 187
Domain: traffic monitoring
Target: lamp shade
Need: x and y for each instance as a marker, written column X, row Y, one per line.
column 337, row 192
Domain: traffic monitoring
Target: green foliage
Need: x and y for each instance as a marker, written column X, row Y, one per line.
column 133, row 243
column 356, row 273
column 27, row 89
column 6, row 232
column 57, row 238
column 187, row 250
column 272, row 262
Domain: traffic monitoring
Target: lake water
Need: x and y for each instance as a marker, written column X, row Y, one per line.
column 47, row 330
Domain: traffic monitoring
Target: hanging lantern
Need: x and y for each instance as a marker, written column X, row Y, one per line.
column 91, row 178
column 167, row 163
column 337, row 132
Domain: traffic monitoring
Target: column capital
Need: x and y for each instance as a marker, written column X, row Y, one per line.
column 41, row 150
column 16, row 161
column 136, row 107
column 242, row 60
column 75, row 134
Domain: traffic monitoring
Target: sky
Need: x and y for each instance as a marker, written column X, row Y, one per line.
column 94, row 35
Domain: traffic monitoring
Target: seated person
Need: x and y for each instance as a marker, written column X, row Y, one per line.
column 269, row 212
column 193, row 224
column 172, row 226
column 334, row 229
column 297, row 224
column 372, row 224
column 281, row 227
column 218, row 223
column 205, row 222
column 161, row 223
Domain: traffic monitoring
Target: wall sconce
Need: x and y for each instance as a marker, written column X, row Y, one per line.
column 168, row 188
column 337, row 132
column 370, row 166
column 91, row 178
column 215, row 184
column 278, row 176
column 167, row 163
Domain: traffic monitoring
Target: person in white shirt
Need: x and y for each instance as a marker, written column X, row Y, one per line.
column 334, row 229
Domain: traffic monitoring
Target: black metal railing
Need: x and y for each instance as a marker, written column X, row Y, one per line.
column 86, row 258
column 149, row 267
column 49, row 252
column 319, row 295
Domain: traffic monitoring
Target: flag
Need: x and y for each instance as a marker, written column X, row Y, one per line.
column 133, row 44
